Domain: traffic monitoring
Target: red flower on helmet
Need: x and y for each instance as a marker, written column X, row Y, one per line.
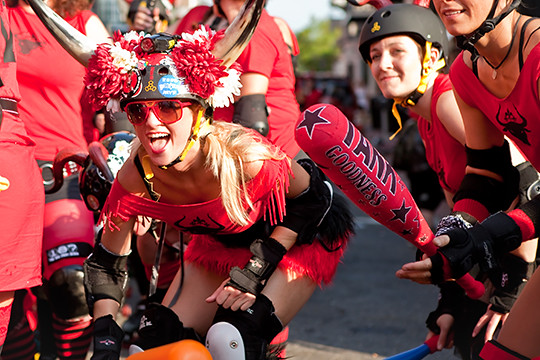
column 195, row 62
column 110, row 69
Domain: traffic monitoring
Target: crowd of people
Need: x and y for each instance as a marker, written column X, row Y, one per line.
column 191, row 180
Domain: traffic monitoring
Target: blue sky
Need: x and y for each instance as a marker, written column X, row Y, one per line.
column 298, row 13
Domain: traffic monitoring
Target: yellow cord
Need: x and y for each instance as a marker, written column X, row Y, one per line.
column 422, row 87
column 194, row 135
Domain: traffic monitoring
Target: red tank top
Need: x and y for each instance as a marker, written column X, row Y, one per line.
column 444, row 154
column 51, row 84
column 516, row 115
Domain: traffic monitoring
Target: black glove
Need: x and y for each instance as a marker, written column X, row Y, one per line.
column 107, row 339
column 509, row 280
column 252, row 278
column 498, row 234
column 161, row 326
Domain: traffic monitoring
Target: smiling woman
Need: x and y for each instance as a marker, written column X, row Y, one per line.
column 245, row 205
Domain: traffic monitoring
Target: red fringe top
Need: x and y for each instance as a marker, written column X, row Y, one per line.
column 266, row 190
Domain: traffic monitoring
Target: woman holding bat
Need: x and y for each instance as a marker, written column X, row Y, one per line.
column 405, row 46
column 496, row 79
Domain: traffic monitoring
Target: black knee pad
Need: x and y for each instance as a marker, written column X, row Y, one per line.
column 258, row 326
column 65, row 292
column 161, row 326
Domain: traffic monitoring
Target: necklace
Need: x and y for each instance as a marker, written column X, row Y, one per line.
column 495, row 68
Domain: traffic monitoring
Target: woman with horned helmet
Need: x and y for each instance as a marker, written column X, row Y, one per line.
column 405, row 46
column 260, row 241
column 496, row 79
column 53, row 109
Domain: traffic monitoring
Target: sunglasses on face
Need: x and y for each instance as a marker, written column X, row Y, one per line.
column 167, row 111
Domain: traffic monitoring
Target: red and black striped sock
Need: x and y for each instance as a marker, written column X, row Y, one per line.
column 72, row 337
column 20, row 343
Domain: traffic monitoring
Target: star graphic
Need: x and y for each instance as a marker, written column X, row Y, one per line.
column 406, row 232
column 312, row 118
column 401, row 213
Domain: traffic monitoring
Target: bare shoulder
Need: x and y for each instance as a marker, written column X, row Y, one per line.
column 252, row 168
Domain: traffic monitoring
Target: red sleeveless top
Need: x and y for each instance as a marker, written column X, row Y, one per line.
column 445, row 155
column 516, row 115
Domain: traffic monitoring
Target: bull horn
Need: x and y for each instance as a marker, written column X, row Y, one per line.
column 238, row 33
column 76, row 43
column 76, row 155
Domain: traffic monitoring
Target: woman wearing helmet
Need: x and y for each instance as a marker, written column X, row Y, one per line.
column 496, row 80
column 246, row 205
column 404, row 46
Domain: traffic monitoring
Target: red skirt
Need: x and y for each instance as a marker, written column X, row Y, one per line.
column 313, row 260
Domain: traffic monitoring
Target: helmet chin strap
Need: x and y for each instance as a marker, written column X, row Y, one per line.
column 192, row 139
column 467, row 42
column 415, row 96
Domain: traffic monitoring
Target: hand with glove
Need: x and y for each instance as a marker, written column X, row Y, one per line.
column 463, row 248
column 107, row 339
column 508, row 280
column 241, row 289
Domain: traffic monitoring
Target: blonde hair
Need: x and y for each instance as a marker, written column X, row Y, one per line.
column 230, row 148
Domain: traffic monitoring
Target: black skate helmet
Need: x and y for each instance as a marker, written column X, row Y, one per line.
column 418, row 22
column 423, row 26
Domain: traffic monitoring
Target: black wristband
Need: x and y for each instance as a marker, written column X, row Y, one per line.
column 504, row 232
column 266, row 256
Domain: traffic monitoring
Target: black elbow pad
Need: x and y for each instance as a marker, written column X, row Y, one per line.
column 251, row 111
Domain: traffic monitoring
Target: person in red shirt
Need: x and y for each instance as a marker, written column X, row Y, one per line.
column 267, row 101
column 496, row 79
column 404, row 45
column 51, row 85
column 21, row 189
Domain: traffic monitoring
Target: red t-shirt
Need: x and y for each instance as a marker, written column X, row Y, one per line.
column 516, row 115
column 267, row 54
column 51, row 84
column 444, row 154
column 21, row 187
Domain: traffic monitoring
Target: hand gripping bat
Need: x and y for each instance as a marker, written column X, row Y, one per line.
column 366, row 178
column 419, row 352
